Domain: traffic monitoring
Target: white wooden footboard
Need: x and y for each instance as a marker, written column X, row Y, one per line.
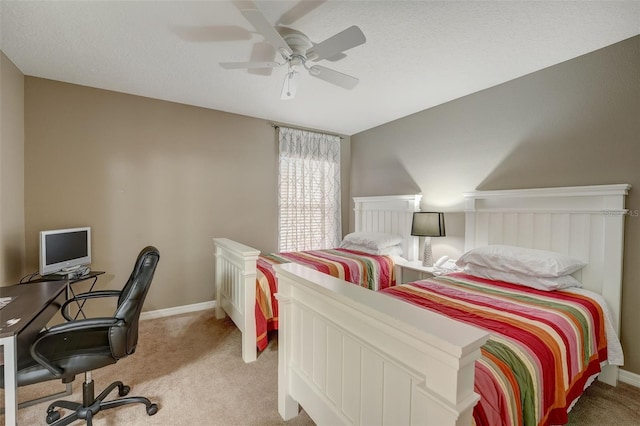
column 352, row 356
column 235, row 279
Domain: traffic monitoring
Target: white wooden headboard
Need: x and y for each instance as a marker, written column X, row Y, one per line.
column 585, row 222
column 391, row 214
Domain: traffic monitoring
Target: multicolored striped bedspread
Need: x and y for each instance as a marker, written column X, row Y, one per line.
column 367, row 270
column 543, row 346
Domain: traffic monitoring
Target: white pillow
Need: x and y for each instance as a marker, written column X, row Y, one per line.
column 372, row 240
column 539, row 283
column 539, row 263
column 393, row 250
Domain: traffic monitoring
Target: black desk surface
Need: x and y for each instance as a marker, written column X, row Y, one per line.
column 29, row 301
column 54, row 277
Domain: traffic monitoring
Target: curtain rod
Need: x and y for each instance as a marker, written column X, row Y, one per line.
column 276, row 126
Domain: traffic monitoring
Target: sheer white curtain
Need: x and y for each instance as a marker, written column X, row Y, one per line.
column 309, row 190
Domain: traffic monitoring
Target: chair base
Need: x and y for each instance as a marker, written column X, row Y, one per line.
column 90, row 405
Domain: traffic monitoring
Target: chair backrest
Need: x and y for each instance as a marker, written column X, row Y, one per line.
column 124, row 339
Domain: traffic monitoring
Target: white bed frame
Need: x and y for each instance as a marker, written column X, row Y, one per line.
column 352, row 356
column 235, row 263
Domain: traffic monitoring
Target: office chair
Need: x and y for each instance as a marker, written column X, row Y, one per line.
column 83, row 345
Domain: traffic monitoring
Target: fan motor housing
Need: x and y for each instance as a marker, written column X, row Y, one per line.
column 298, row 42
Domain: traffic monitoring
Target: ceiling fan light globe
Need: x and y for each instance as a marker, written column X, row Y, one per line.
column 286, row 54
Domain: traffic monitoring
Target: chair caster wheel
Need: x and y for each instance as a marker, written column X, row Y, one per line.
column 53, row 416
column 124, row 390
column 152, row 409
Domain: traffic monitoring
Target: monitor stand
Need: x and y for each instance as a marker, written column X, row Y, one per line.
column 72, row 273
column 55, row 276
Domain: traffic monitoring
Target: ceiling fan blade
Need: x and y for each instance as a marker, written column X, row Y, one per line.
column 298, row 11
column 344, row 40
column 336, row 58
column 333, row 77
column 262, row 52
column 290, row 85
column 260, row 23
column 248, row 65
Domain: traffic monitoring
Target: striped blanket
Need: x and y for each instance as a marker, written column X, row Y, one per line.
column 367, row 270
column 543, row 346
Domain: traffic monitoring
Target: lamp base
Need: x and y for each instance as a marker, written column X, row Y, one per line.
column 427, row 257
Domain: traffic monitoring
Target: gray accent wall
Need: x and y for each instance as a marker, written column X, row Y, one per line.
column 576, row 123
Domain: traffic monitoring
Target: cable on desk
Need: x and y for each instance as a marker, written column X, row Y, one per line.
column 29, row 277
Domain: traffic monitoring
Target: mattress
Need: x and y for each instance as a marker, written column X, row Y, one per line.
column 374, row 272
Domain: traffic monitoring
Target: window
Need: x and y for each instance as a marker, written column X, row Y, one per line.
column 309, row 190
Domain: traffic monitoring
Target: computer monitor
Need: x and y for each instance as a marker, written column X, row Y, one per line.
column 64, row 250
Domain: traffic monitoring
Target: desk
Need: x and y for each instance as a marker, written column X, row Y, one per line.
column 35, row 304
column 91, row 275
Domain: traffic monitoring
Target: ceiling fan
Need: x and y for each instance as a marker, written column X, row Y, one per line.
column 296, row 50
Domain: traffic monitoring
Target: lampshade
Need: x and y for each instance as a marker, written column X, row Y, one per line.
column 428, row 224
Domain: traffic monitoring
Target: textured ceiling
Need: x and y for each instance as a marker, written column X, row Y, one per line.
column 418, row 54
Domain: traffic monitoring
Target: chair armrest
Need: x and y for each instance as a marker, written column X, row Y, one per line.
column 84, row 296
column 67, row 327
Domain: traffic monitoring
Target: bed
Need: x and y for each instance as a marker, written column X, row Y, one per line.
column 239, row 267
column 369, row 270
column 349, row 356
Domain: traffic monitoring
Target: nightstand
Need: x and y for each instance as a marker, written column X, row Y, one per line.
column 407, row 271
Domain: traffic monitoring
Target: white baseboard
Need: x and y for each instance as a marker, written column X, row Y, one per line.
column 629, row 378
column 160, row 313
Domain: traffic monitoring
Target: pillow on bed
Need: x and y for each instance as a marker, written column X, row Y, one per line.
column 387, row 251
column 539, row 263
column 539, row 283
column 372, row 240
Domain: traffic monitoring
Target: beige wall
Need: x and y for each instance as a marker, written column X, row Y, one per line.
column 577, row 123
column 141, row 171
column 12, row 254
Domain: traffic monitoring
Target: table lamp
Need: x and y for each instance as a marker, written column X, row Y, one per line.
column 427, row 224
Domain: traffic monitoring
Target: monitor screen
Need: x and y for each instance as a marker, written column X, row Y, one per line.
column 64, row 249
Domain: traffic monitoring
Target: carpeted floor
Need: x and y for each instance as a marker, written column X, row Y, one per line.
column 607, row 405
column 190, row 365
